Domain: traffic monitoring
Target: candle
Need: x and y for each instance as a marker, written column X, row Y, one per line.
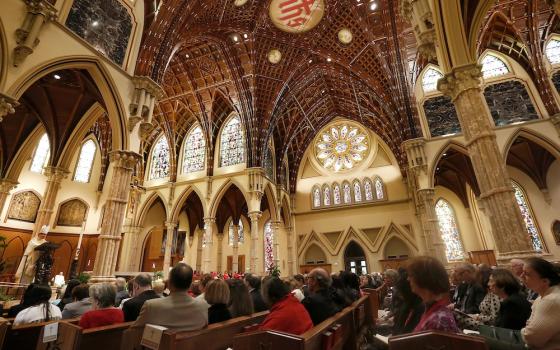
column 80, row 240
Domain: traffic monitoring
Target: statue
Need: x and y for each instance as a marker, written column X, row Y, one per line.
column 26, row 269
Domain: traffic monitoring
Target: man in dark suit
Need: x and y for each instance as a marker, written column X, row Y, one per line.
column 141, row 291
column 319, row 304
column 469, row 302
column 254, row 284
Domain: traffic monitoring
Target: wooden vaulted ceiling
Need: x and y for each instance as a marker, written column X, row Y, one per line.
column 188, row 47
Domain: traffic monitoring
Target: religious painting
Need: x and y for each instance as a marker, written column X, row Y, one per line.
column 296, row 16
column 556, row 231
column 24, row 206
column 72, row 213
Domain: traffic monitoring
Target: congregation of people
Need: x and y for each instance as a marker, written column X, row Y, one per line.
column 422, row 296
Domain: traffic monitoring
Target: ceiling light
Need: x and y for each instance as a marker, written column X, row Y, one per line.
column 57, row 77
column 94, row 23
column 245, row 36
column 235, row 38
column 310, row 61
column 187, row 55
column 329, row 59
column 373, row 6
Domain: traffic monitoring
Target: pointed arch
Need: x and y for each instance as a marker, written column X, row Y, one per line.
column 379, row 188
column 222, row 191
column 552, row 49
column 528, row 217
column 535, row 137
column 63, row 258
column 4, row 55
column 336, row 194
column 358, row 192
column 183, row 198
column 326, row 195
column 85, row 160
column 347, row 191
column 447, row 221
column 316, row 197
column 152, row 198
column 271, row 197
column 429, row 79
column 317, row 254
column 397, row 245
column 41, row 155
column 493, row 65
column 368, row 190
column 160, row 159
column 194, row 150
column 233, row 142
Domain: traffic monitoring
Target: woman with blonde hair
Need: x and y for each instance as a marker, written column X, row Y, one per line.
column 217, row 296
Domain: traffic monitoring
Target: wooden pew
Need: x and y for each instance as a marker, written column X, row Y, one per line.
column 217, row 336
column 374, row 302
column 338, row 332
column 436, row 340
column 71, row 336
column 23, row 337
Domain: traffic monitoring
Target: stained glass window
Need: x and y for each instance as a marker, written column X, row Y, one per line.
column 85, row 162
column 336, row 194
column 357, row 192
column 379, row 189
column 527, row 215
column 160, row 159
column 240, row 236
column 553, row 51
column 268, row 246
column 326, row 196
column 342, row 146
column 316, row 197
column 368, row 190
column 430, row 79
column 232, row 145
column 449, row 231
column 492, row 66
column 347, row 193
column 42, row 154
column 195, row 151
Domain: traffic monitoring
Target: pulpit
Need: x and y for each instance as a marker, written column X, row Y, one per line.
column 44, row 264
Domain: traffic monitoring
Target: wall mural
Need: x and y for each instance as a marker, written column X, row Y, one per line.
column 24, row 206
column 72, row 213
column 104, row 24
column 509, row 103
column 442, row 116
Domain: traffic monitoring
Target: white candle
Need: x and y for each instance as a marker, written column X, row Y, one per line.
column 80, row 240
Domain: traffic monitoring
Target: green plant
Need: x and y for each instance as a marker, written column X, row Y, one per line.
column 4, row 297
column 273, row 270
column 83, row 277
column 158, row 275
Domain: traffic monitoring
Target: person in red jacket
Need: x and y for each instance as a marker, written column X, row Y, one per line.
column 287, row 314
column 103, row 312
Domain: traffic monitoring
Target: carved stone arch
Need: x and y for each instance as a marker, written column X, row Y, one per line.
column 479, row 15
column 181, row 200
column 222, row 191
column 393, row 243
column 24, row 205
column 273, row 205
column 25, row 152
column 4, row 56
column 315, row 247
column 148, row 205
column 535, row 137
column 285, row 210
column 72, row 212
column 395, row 231
column 12, row 253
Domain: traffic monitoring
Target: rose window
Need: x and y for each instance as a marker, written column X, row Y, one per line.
column 342, row 147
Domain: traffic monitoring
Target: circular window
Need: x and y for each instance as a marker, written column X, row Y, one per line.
column 342, row 146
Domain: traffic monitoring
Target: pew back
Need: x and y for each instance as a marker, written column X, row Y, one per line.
column 24, row 337
column 71, row 336
column 436, row 340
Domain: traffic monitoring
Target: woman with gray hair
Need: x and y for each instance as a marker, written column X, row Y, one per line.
column 103, row 312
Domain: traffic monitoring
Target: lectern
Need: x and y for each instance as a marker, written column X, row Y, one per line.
column 44, row 264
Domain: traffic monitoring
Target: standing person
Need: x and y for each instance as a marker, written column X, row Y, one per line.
column 40, row 309
column 81, row 302
column 542, row 331
column 104, row 312
column 141, row 291
column 429, row 280
column 254, row 284
column 240, row 302
column 514, row 308
column 217, row 296
column 319, row 303
column 171, row 311
column 26, row 269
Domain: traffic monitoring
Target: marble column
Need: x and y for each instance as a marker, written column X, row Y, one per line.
column 207, row 249
column 430, row 225
column 254, row 217
column 39, row 12
column 235, row 246
column 289, row 237
column 54, row 175
column 463, row 86
column 7, row 105
column 220, row 252
column 170, row 228
column 6, row 185
column 275, row 226
column 123, row 163
column 131, row 250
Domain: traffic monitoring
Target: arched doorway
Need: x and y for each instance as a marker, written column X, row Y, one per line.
column 355, row 259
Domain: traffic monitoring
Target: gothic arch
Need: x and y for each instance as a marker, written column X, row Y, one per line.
column 64, row 251
column 222, row 191
column 535, row 137
column 148, row 205
column 397, row 240
column 272, row 202
column 4, row 56
column 314, row 245
column 25, row 152
column 13, row 252
column 182, row 199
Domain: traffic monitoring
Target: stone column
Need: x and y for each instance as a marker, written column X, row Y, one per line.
column 208, row 227
column 7, row 105
column 131, row 251
column 254, row 217
column 289, row 237
column 463, row 86
column 199, row 249
column 220, row 251
column 6, row 185
column 235, row 257
column 27, row 36
column 428, row 218
column 123, row 163
column 275, row 226
column 55, row 176
column 170, row 228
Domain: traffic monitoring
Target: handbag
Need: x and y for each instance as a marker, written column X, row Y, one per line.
column 502, row 338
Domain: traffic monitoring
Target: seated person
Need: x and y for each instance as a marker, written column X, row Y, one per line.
column 103, row 312
column 410, row 309
column 67, row 296
column 240, row 302
column 319, row 302
column 122, row 293
column 254, row 284
column 40, row 309
column 217, row 296
column 473, row 295
column 81, row 303
column 141, row 291
column 178, row 310
column 24, row 302
column 287, row 314
column 429, row 280
column 514, row 308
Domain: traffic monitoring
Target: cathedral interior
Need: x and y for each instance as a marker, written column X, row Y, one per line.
column 246, row 135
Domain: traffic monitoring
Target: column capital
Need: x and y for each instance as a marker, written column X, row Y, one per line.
column 209, row 220
column 254, row 215
column 6, row 185
column 56, row 174
column 146, row 83
column 416, row 154
column 171, row 225
column 426, row 194
column 7, row 105
column 124, row 159
column 43, row 8
column 460, row 79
